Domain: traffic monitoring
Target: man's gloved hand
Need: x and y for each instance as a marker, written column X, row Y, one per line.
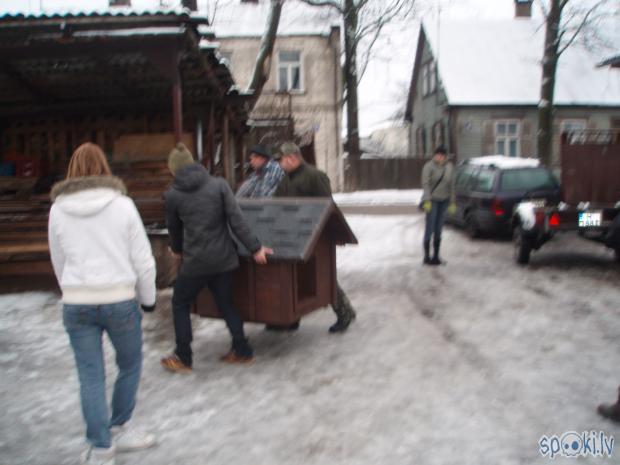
column 427, row 206
column 148, row 308
column 452, row 209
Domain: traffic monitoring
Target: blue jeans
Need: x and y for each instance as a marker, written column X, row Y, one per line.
column 435, row 220
column 85, row 325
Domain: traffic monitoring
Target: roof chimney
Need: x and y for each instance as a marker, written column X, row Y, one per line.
column 120, row 3
column 523, row 8
column 191, row 5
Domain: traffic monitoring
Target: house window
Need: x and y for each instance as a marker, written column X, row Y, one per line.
column 438, row 134
column 575, row 127
column 421, row 142
column 429, row 78
column 289, row 71
column 507, row 134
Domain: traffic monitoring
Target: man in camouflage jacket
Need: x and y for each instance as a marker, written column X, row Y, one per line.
column 304, row 180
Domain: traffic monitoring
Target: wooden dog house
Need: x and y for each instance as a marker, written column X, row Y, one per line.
column 300, row 276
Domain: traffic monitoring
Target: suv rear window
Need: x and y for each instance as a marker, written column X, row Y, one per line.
column 527, row 179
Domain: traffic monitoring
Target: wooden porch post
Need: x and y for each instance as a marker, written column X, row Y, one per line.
column 241, row 154
column 209, row 160
column 177, row 101
column 225, row 154
column 167, row 60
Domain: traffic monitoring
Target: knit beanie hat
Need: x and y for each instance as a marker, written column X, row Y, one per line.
column 179, row 157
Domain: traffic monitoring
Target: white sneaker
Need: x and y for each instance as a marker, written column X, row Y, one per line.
column 127, row 440
column 99, row 456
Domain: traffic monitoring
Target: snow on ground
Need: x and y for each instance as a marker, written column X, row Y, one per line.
column 468, row 363
column 380, row 197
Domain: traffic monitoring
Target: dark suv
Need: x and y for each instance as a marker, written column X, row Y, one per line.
column 488, row 188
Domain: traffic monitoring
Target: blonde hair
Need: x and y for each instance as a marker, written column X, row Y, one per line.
column 88, row 160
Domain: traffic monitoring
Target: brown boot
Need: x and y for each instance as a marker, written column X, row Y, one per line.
column 233, row 357
column 174, row 364
column 611, row 411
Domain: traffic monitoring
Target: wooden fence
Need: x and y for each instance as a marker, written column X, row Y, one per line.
column 591, row 167
column 391, row 173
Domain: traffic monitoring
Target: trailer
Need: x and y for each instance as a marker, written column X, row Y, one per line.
column 590, row 206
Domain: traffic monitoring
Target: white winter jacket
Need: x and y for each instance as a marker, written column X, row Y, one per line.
column 98, row 245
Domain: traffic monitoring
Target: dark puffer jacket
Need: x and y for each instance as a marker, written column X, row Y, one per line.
column 199, row 210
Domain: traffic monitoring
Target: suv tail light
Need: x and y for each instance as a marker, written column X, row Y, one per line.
column 554, row 220
column 497, row 208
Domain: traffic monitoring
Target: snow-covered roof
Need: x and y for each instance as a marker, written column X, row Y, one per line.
column 76, row 12
column 504, row 162
column 498, row 63
column 233, row 18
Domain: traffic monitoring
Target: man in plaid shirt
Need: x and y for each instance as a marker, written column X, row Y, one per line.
column 266, row 176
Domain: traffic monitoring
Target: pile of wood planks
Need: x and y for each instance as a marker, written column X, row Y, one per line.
column 23, row 237
column 24, row 249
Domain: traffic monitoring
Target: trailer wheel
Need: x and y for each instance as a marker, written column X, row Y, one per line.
column 522, row 246
column 471, row 226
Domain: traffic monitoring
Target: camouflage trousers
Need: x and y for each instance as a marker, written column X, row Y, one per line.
column 343, row 308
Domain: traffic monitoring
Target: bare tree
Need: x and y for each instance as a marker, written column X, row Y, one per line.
column 263, row 59
column 566, row 21
column 363, row 22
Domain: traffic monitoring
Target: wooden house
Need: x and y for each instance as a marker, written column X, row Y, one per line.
column 300, row 276
column 134, row 82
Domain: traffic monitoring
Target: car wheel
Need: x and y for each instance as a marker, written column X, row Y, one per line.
column 522, row 246
column 471, row 226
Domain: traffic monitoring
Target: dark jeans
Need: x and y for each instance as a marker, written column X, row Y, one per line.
column 435, row 220
column 186, row 289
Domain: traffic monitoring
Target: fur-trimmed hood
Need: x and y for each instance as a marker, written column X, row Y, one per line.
column 87, row 195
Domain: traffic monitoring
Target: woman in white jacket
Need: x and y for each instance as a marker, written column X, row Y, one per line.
column 104, row 265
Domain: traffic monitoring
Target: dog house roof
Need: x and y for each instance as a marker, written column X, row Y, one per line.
column 292, row 226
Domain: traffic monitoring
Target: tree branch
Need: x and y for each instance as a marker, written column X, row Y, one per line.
column 328, row 3
column 367, row 55
column 583, row 23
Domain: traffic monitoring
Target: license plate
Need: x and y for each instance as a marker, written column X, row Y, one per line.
column 590, row 219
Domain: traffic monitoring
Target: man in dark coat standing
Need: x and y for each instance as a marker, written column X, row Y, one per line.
column 304, row 180
column 200, row 209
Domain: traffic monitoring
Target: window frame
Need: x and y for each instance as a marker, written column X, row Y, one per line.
column 289, row 66
column 429, row 78
column 580, row 137
column 439, row 136
column 507, row 137
column 421, row 141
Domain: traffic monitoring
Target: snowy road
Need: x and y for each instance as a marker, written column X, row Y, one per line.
column 469, row 363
